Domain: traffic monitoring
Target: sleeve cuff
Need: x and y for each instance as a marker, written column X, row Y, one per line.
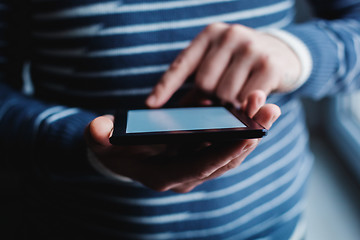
column 99, row 167
column 301, row 50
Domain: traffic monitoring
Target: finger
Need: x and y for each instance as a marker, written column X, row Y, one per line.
column 99, row 131
column 183, row 66
column 263, row 78
column 215, row 62
column 205, row 162
column 185, row 172
column 236, row 75
column 253, row 103
column 267, row 115
column 188, row 186
column 250, row 146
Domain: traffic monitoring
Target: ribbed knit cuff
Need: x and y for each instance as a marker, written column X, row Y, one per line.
column 99, row 167
column 324, row 57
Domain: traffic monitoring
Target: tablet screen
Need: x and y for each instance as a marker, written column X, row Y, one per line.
column 180, row 119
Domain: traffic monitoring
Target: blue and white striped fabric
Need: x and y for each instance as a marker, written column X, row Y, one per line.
column 88, row 57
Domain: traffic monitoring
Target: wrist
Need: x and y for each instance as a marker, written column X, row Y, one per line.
column 302, row 53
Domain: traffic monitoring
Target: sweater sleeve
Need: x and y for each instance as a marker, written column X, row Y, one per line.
column 333, row 39
column 30, row 127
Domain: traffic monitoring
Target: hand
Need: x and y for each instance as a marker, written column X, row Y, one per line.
column 230, row 61
column 161, row 168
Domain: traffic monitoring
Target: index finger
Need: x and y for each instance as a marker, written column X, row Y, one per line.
column 182, row 67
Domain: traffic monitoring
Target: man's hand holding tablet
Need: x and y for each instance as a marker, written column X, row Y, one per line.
column 183, row 171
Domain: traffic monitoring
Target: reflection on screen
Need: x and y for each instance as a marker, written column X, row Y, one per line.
column 159, row 120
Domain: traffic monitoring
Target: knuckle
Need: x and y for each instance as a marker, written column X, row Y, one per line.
column 251, row 144
column 183, row 189
column 159, row 187
column 202, row 175
column 267, row 66
column 214, row 27
column 265, row 61
column 231, row 165
column 233, row 33
column 248, row 47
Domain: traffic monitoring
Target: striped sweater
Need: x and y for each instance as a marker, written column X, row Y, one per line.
column 89, row 57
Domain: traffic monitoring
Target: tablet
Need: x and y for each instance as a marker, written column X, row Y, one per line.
column 176, row 125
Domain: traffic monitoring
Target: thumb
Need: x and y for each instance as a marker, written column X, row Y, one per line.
column 267, row 115
column 99, row 131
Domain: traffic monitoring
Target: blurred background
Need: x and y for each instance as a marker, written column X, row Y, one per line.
column 333, row 210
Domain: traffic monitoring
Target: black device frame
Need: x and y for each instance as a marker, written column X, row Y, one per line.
column 120, row 137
